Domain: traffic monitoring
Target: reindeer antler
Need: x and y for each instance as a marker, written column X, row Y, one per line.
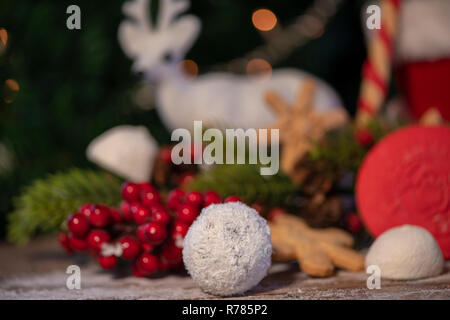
column 169, row 11
column 138, row 11
column 134, row 32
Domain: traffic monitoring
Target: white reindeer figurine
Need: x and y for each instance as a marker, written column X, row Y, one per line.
column 220, row 100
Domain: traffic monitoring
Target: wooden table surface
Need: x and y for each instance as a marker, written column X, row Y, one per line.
column 38, row 271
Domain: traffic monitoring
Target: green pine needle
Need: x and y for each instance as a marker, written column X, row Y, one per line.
column 246, row 182
column 45, row 205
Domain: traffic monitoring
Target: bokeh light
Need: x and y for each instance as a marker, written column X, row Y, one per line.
column 264, row 19
column 190, row 67
column 3, row 36
column 259, row 67
column 11, row 88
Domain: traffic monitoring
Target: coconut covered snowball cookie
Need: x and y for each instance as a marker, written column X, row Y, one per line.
column 227, row 250
column 405, row 253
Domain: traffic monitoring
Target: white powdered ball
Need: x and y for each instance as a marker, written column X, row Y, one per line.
column 405, row 253
column 227, row 250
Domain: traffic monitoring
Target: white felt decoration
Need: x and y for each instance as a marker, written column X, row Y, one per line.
column 220, row 100
column 128, row 151
column 227, row 250
column 405, row 253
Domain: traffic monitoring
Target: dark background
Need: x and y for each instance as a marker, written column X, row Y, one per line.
column 75, row 84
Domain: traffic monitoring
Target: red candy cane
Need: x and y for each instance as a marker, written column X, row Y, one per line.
column 377, row 67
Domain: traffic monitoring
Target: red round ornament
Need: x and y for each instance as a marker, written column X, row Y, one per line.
column 140, row 232
column 364, row 137
column 141, row 215
column 130, row 192
column 405, row 180
column 107, row 262
column 96, row 238
column 125, row 207
column 130, row 247
column 175, row 198
column 232, row 199
column 100, row 216
column 187, row 213
column 155, row 232
column 86, row 209
column 150, row 197
column 78, row 224
column 171, row 253
column 116, row 216
column 354, row 223
column 78, row 244
column 179, row 230
column 63, row 239
column 274, row 212
column 211, row 197
column 194, row 198
column 147, row 263
column 160, row 216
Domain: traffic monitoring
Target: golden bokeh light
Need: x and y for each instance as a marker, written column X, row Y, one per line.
column 11, row 88
column 264, row 19
column 3, row 36
column 190, row 67
column 259, row 67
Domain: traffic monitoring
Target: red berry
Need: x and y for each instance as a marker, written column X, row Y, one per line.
column 194, row 198
column 179, row 230
column 141, row 215
column 211, row 197
column 274, row 212
column 147, row 263
column 155, row 233
column 187, row 213
column 258, row 207
column 147, row 247
column 138, row 272
column 171, row 253
column 130, row 247
column 186, row 178
column 63, row 239
column 125, row 207
column 134, row 206
column 78, row 244
column 86, row 209
column 175, row 198
column 165, row 154
column 160, row 216
column 108, row 262
column 354, row 223
column 78, row 224
column 364, row 137
column 232, row 199
column 116, row 216
column 100, row 216
column 140, row 232
column 96, row 238
column 145, row 186
column 150, row 197
column 130, row 191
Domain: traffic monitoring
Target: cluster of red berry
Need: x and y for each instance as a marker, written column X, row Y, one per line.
column 145, row 231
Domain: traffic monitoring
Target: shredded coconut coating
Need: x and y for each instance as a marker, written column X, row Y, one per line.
column 227, row 250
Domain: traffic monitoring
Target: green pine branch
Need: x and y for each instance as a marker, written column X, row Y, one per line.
column 45, row 205
column 246, row 182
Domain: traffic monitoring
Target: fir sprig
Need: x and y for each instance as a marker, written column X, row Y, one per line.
column 246, row 182
column 45, row 205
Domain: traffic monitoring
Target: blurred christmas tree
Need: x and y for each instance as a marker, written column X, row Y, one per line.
column 62, row 88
